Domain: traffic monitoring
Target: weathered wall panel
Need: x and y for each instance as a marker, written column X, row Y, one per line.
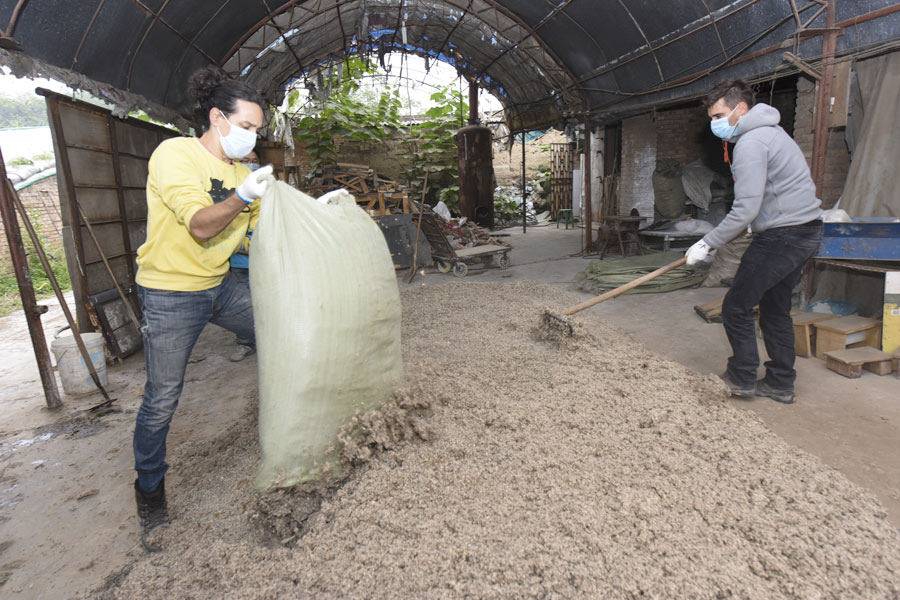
column 102, row 173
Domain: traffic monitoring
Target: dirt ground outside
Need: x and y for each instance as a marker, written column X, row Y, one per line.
column 529, row 478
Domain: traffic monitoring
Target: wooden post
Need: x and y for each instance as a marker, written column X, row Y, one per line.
column 33, row 311
column 823, row 101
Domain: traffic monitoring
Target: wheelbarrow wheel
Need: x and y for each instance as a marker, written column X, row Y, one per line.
column 460, row 269
column 504, row 261
column 443, row 266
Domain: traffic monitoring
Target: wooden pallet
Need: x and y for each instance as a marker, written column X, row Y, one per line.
column 711, row 311
column 852, row 361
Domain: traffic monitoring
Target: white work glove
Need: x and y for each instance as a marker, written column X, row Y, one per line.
column 255, row 185
column 700, row 252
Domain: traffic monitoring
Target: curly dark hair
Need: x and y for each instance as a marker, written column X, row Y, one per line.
column 211, row 87
column 733, row 92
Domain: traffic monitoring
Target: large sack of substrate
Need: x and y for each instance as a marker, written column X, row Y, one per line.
column 327, row 314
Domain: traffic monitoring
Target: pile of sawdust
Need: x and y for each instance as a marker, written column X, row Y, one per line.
column 587, row 467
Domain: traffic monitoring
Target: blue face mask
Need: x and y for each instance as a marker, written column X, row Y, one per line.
column 721, row 128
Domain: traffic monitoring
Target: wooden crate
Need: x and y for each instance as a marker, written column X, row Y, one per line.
column 852, row 361
column 804, row 333
column 833, row 334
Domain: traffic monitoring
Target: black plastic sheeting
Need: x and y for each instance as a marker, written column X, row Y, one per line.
column 546, row 60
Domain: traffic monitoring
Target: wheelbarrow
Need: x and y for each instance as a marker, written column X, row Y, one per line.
column 447, row 259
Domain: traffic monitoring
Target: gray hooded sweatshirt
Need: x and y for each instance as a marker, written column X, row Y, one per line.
column 772, row 184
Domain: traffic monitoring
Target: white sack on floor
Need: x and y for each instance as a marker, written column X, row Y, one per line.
column 327, row 315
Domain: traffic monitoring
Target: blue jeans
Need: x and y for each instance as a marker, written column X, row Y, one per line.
column 769, row 271
column 172, row 322
column 242, row 276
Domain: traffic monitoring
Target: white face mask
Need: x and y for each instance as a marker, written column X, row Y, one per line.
column 238, row 143
column 721, row 128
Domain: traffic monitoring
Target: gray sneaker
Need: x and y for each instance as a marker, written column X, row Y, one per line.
column 241, row 353
column 737, row 390
column 783, row 396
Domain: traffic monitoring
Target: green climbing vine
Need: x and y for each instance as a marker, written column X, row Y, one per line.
column 430, row 147
column 347, row 111
column 341, row 106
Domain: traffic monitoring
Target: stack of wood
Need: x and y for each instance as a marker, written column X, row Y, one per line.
column 378, row 195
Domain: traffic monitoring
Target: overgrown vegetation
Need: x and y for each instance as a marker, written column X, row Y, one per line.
column 344, row 109
column 429, row 147
column 341, row 106
column 10, row 301
column 22, row 111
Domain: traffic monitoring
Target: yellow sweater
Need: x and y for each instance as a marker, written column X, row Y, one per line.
column 184, row 177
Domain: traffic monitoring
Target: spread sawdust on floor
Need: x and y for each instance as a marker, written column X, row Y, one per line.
column 513, row 466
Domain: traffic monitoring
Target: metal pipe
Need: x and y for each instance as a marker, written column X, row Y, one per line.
column 823, row 101
column 588, row 242
column 473, row 103
column 48, row 270
column 524, row 200
column 32, row 310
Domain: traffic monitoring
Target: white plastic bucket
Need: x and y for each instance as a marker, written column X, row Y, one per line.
column 73, row 372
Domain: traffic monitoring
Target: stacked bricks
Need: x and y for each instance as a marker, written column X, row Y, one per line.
column 680, row 133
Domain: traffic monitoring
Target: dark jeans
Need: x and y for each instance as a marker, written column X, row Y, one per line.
column 172, row 322
column 242, row 276
column 769, row 271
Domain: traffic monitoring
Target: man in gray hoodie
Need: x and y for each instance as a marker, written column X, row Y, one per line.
column 775, row 196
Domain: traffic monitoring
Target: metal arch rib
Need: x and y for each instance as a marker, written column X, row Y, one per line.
column 84, row 37
column 529, row 33
column 550, row 53
column 310, row 14
column 662, row 77
column 160, row 20
column 250, row 32
column 555, row 66
column 455, row 27
column 184, row 54
column 281, row 33
column 712, row 22
column 715, row 27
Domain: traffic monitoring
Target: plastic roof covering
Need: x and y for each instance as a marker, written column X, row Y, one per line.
column 547, row 60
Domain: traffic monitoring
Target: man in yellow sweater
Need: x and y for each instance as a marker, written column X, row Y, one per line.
column 200, row 203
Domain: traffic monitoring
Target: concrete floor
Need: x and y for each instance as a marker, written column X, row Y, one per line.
column 853, row 425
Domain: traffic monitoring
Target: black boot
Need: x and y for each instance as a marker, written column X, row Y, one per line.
column 153, row 512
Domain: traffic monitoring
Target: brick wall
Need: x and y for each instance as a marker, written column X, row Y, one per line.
column 383, row 156
column 41, row 202
column 682, row 133
column 638, row 163
column 837, row 158
column 386, row 157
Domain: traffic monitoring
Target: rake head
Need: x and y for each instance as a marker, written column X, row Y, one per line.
column 554, row 325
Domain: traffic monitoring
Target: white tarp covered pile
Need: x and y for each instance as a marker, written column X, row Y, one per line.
column 327, row 316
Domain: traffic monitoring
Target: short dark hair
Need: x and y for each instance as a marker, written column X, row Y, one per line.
column 211, row 87
column 732, row 91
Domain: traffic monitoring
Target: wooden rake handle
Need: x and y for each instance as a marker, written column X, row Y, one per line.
column 624, row 288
